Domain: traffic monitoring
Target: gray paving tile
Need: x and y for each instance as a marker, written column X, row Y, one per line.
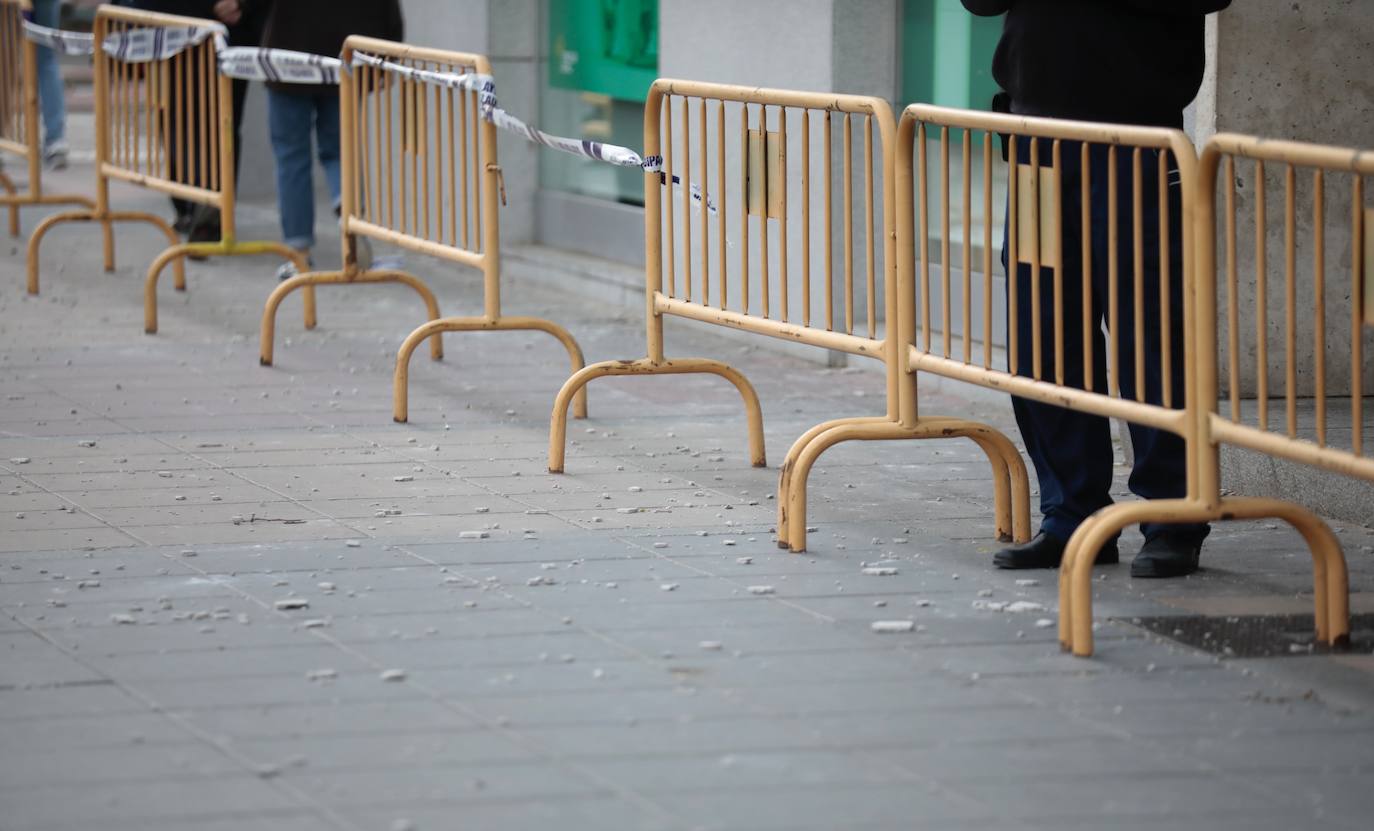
column 587, row 674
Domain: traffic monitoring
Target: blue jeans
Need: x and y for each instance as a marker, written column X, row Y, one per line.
column 45, row 13
column 1072, row 451
column 293, row 119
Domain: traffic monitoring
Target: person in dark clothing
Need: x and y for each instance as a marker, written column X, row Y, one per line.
column 244, row 20
column 295, row 111
column 1133, row 62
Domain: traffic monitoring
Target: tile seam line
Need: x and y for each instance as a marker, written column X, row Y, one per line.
column 297, row 795
column 1137, row 738
column 627, row 794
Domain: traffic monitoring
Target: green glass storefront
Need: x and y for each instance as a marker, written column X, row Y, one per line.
column 603, row 54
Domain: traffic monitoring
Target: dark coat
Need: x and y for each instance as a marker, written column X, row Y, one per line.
column 1132, row 61
column 321, row 27
column 247, row 33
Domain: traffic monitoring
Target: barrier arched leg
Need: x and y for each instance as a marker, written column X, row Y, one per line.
column 558, row 425
column 311, row 279
column 36, row 240
column 790, row 460
column 575, row 358
column 1330, row 575
column 177, row 253
column 1330, row 579
column 1011, row 483
column 1076, row 568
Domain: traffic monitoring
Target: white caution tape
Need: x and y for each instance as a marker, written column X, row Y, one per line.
column 491, row 111
column 60, row 40
column 158, row 43
column 250, row 63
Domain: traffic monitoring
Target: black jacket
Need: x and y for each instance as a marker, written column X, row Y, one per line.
column 321, row 27
column 246, row 33
column 1128, row 61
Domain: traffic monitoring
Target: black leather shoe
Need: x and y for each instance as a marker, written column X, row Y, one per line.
column 1167, row 555
column 1045, row 551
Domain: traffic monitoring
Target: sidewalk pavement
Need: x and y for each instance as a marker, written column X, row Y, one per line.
column 236, row 597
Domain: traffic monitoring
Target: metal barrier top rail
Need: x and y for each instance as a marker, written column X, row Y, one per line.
column 1315, row 360
column 1070, row 255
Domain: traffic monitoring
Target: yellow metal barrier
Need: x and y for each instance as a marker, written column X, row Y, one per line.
column 819, row 275
column 1335, row 439
column 165, row 124
column 20, row 132
column 1145, row 309
column 420, row 171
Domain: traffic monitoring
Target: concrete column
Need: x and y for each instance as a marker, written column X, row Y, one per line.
column 1288, row 70
column 1281, row 69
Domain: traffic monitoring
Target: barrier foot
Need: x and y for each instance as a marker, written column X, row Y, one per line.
column 432, row 330
column 36, row 239
column 1076, row 568
column 558, row 423
column 1011, row 483
column 790, row 460
column 1330, row 574
column 881, row 430
column 308, row 280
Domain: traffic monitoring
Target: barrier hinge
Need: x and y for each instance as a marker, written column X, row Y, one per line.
column 765, row 191
column 500, row 181
column 1036, row 211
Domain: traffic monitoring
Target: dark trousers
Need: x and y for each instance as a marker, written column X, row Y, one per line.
column 182, row 207
column 1072, row 451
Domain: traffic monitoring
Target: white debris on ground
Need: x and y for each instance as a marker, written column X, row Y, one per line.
column 762, row 589
column 287, row 604
column 393, row 675
column 888, row 627
column 1011, row 607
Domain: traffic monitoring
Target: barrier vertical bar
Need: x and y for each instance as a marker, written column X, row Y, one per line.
column 1261, row 301
column 806, row 215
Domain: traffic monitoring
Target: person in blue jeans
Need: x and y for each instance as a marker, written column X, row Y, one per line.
column 1127, row 62
column 304, row 118
column 54, row 108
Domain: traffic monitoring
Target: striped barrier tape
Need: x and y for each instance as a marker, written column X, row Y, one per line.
column 60, row 40
column 491, row 111
column 251, row 63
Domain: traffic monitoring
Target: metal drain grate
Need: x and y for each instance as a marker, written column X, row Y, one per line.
column 1254, row 636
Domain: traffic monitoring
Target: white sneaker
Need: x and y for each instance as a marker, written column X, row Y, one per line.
column 288, row 269
column 55, row 155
